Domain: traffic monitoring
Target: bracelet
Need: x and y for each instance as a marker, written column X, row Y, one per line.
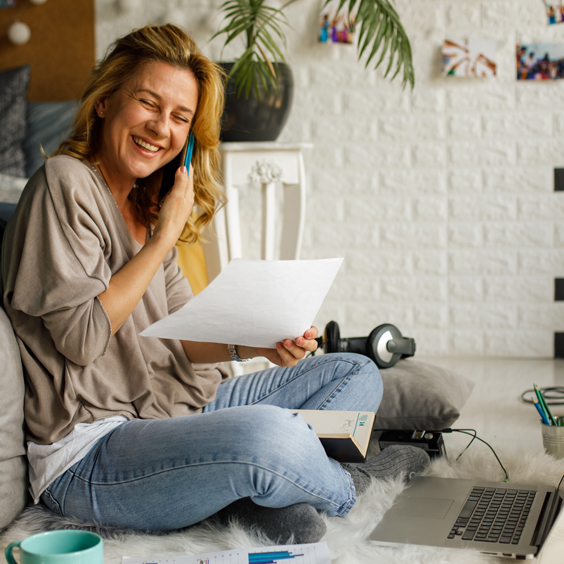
column 234, row 354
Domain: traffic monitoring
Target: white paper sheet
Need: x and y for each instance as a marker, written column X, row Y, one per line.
column 253, row 302
column 314, row 553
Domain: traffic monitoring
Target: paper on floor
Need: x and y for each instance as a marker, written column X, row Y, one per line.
column 315, row 553
column 253, row 302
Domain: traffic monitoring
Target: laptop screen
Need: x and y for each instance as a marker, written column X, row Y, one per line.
column 553, row 547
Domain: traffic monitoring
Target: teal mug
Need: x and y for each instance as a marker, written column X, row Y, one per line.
column 59, row 547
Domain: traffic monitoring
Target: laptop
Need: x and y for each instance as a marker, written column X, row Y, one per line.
column 497, row 518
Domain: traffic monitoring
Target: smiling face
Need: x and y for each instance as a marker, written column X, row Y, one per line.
column 146, row 122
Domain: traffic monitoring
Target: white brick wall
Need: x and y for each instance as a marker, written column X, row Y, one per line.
column 440, row 199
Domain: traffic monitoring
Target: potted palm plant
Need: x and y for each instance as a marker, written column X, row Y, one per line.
column 260, row 84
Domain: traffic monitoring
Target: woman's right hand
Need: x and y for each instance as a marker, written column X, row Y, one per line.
column 175, row 209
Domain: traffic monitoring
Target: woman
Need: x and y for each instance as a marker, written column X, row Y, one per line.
column 147, row 433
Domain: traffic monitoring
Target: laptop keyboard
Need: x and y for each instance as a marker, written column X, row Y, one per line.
column 493, row 515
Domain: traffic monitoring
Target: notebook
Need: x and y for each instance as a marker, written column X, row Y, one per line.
column 497, row 518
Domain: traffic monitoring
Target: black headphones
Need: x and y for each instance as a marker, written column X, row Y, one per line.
column 385, row 344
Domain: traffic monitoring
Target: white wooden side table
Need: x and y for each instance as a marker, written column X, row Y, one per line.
column 269, row 166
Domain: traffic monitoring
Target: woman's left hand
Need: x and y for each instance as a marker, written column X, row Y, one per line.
column 288, row 352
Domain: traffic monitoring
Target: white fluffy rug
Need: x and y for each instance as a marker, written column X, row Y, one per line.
column 346, row 537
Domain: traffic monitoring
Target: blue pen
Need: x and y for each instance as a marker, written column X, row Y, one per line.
column 541, row 412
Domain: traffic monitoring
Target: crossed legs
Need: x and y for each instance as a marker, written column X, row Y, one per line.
column 168, row 474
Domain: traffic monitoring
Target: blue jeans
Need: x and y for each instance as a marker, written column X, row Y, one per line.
column 167, row 474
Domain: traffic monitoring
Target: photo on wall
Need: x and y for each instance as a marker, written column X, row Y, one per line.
column 336, row 26
column 540, row 61
column 554, row 12
column 470, row 58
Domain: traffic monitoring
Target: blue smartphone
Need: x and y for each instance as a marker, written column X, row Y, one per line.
column 169, row 170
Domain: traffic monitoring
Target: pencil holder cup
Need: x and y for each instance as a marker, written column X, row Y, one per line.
column 553, row 438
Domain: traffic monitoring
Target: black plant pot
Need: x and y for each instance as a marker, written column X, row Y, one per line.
column 259, row 118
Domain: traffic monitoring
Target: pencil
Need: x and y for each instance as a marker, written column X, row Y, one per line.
column 544, row 405
column 541, row 412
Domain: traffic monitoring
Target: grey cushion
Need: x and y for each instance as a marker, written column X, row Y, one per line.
column 13, row 461
column 13, row 107
column 48, row 123
column 421, row 396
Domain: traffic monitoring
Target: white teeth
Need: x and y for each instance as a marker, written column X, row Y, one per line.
column 145, row 145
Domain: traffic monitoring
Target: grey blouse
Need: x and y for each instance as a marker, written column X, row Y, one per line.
column 65, row 240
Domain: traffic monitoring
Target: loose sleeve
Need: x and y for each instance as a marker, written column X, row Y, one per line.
column 61, row 267
column 178, row 291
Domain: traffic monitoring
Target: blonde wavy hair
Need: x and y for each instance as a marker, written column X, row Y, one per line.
column 168, row 44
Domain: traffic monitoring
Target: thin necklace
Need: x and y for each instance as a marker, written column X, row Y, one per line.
column 102, row 177
column 99, row 173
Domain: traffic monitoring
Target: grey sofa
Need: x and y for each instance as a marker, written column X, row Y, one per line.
column 13, row 461
column 33, row 125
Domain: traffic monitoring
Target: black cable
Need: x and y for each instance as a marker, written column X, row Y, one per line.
column 554, row 395
column 471, row 441
column 475, row 436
